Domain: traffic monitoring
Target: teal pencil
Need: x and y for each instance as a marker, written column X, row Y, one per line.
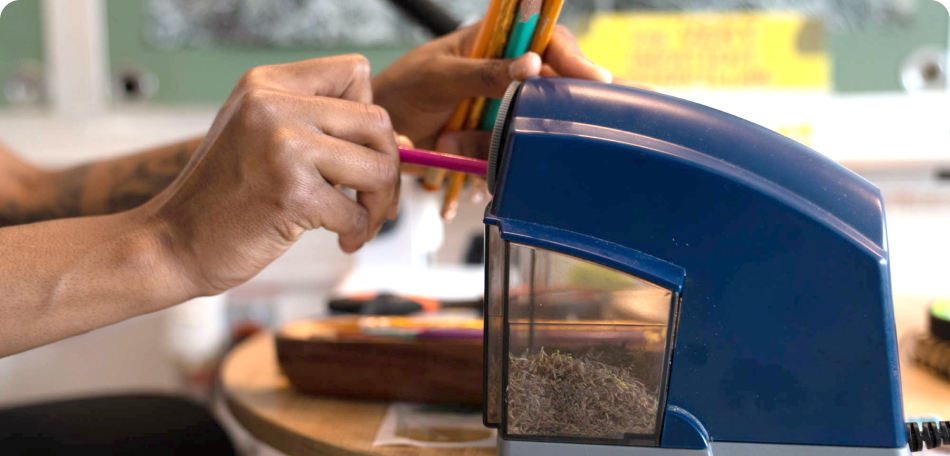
column 518, row 43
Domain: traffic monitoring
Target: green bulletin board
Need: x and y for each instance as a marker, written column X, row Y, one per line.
column 202, row 75
column 863, row 61
column 871, row 60
column 20, row 37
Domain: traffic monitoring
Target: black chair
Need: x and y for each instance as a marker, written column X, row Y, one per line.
column 132, row 424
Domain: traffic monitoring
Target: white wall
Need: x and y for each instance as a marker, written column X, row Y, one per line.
column 871, row 133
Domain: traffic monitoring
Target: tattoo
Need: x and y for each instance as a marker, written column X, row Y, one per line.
column 146, row 179
column 131, row 182
column 67, row 201
column 69, row 190
column 13, row 215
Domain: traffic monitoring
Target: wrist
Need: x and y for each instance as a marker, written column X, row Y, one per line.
column 159, row 256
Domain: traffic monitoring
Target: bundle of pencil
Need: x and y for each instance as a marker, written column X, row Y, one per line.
column 509, row 30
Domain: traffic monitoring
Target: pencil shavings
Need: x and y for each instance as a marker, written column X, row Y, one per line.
column 559, row 394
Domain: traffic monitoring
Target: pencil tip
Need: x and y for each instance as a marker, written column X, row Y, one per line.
column 529, row 8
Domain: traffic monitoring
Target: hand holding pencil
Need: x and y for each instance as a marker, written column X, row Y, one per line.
column 421, row 89
column 520, row 27
column 455, row 75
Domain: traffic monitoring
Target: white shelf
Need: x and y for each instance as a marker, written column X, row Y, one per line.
column 53, row 141
column 856, row 130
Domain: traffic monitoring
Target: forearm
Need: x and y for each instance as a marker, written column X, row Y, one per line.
column 105, row 187
column 66, row 277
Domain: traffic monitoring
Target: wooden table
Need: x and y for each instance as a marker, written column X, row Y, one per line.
column 264, row 403
column 924, row 392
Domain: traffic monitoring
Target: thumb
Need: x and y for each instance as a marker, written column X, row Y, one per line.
column 469, row 143
column 403, row 141
column 489, row 77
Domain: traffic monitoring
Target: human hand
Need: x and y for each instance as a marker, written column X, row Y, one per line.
column 287, row 137
column 421, row 89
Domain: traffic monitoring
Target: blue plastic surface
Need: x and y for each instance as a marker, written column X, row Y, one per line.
column 615, row 256
column 786, row 331
column 682, row 430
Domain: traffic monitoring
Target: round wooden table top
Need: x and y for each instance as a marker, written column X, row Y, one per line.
column 263, row 401
column 925, row 393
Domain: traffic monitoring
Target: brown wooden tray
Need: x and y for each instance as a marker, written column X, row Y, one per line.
column 319, row 362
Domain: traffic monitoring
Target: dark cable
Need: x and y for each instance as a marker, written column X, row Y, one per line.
column 913, row 437
column 430, row 15
column 929, row 434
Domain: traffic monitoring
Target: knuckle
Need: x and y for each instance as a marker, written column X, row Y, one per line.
column 376, row 118
column 290, row 188
column 253, row 77
column 388, row 171
column 350, row 223
column 381, row 117
column 360, row 65
column 358, row 222
column 256, row 108
column 282, row 154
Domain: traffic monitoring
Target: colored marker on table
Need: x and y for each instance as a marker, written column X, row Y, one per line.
column 518, row 43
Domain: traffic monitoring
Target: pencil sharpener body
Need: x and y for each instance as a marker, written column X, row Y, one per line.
column 662, row 277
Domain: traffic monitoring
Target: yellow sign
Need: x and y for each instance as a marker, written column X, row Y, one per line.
column 720, row 50
column 802, row 132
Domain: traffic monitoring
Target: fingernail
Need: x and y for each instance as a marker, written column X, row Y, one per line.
column 403, row 140
column 525, row 66
column 604, row 73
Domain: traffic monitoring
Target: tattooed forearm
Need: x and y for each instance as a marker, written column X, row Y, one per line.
column 99, row 188
column 65, row 200
column 13, row 214
column 133, row 187
column 68, row 199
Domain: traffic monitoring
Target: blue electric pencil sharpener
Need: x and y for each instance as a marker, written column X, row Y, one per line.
column 664, row 278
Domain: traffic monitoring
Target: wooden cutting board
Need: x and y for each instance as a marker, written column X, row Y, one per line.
column 319, row 361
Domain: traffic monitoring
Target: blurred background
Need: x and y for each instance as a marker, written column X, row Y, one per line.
column 861, row 81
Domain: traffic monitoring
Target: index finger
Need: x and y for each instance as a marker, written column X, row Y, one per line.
column 344, row 76
column 566, row 58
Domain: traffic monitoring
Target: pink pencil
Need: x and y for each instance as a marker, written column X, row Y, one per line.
column 444, row 161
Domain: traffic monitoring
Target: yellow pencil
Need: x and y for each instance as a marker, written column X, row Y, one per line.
column 457, row 180
column 434, row 177
column 545, row 30
column 550, row 12
column 475, row 114
column 499, row 36
column 494, row 49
